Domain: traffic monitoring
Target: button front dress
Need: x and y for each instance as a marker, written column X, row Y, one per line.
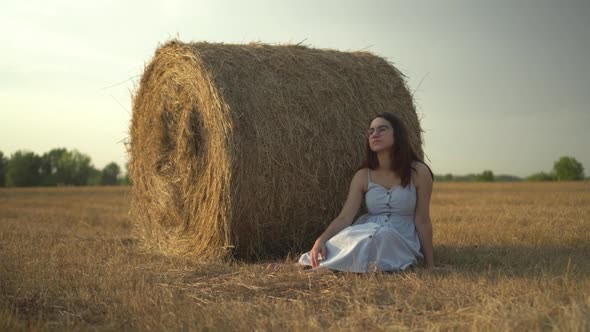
column 384, row 239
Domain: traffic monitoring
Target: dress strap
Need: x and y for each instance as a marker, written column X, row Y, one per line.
column 369, row 174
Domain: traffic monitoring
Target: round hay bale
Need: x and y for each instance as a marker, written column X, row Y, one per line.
column 248, row 150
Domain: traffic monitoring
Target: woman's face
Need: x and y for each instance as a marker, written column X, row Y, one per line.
column 380, row 134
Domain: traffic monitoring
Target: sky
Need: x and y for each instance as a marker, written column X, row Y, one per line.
column 498, row 85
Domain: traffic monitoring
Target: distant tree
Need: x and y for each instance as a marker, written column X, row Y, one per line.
column 3, row 162
column 568, row 169
column 95, row 177
column 444, row 178
column 460, row 178
column 487, row 176
column 73, row 168
column 22, row 169
column 50, row 166
column 124, row 180
column 541, row 176
column 506, row 178
column 110, row 174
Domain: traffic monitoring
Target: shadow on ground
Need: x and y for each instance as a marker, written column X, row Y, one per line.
column 523, row 261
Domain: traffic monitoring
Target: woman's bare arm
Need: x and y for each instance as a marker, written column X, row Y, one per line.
column 423, row 183
column 350, row 208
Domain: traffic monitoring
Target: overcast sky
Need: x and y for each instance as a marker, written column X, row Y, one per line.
column 500, row 85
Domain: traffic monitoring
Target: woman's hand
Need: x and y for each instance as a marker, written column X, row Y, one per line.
column 319, row 250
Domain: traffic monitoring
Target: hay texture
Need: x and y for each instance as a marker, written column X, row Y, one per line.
column 248, row 150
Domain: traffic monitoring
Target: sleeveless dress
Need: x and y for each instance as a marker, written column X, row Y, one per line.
column 383, row 240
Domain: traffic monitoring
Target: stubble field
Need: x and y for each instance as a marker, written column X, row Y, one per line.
column 517, row 257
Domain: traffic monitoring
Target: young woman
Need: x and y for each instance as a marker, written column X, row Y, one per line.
column 396, row 232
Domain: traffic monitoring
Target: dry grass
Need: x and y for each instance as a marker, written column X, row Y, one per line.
column 519, row 254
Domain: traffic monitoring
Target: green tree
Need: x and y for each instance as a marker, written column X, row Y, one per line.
column 22, row 169
column 541, row 176
column 487, row 176
column 124, row 180
column 568, row 169
column 110, row 174
column 50, row 166
column 73, row 168
column 3, row 162
column 95, row 177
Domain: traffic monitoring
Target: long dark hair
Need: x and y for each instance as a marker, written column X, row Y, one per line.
column 402, row 154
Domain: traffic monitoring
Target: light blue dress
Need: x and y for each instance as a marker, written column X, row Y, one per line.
column 384, row 239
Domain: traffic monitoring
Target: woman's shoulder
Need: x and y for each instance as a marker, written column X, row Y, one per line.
column 362, row 172
column 420, row 169
column 417, row 164
column 361, row 177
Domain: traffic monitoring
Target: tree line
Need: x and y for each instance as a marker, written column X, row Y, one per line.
column 62, row 167
column 58, row 167
column 566, row 168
